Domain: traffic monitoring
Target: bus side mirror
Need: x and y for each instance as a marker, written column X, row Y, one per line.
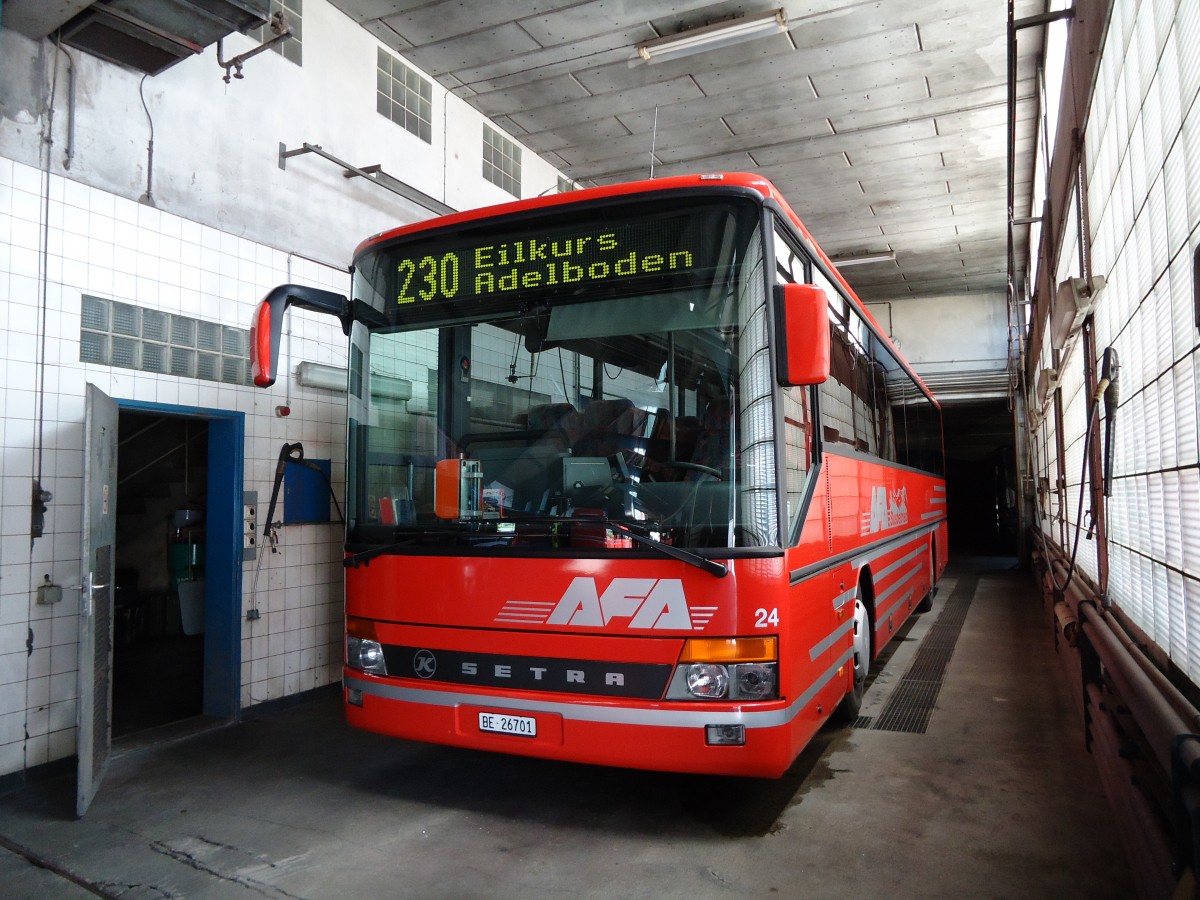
column 802, row 333
column 268, row 323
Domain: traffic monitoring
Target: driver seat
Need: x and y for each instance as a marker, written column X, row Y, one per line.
column 712, row 443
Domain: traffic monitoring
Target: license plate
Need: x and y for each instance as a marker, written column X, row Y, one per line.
column 525, row 726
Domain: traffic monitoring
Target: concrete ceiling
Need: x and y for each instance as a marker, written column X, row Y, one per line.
column 882, row 122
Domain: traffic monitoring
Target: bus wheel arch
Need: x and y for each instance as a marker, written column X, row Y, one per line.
column 926, row 604
column 862, row 645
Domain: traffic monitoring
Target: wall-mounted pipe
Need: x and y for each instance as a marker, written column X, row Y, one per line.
column 1066, row 622
column 1154, row 715
column 1143, row 832
column 70, row 156
column 148, row 197
column 1168, row 724
column 1079, row 591
column 278, row 24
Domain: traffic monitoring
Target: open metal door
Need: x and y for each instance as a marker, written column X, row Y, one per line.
column 98, row 556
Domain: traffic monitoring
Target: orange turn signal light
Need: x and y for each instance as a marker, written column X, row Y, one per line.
column 730, row 650
column 361, row 628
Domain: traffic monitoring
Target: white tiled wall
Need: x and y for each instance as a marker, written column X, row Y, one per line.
column 111, row 247
column 216, row 164
column 1143, row 161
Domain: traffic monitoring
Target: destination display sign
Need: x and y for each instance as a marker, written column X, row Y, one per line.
column 535, row 263
column 490, row 266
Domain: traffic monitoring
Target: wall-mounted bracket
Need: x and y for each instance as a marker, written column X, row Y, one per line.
column 373, row 172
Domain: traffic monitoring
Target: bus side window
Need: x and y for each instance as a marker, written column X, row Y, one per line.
column 837, row 393
column 790, row 265
column 798, row 449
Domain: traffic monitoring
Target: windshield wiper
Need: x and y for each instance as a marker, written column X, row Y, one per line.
column 711, row 566
column 365, row 556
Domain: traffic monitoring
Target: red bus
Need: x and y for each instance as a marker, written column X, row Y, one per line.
column 633, row 479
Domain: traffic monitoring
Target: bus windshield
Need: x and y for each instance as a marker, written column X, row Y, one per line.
column 565, row 381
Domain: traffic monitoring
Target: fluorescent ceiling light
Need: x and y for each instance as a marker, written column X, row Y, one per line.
column 885, row 256
column 712, row 37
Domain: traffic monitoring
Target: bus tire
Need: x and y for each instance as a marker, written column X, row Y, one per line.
column 847, row 710
column 926, row 604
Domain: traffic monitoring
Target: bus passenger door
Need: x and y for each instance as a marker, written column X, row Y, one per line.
column 94, row 717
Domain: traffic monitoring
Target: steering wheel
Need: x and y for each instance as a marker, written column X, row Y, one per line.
column 694, row 467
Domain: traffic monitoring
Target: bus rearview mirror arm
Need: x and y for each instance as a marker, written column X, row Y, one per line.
column 268, row 323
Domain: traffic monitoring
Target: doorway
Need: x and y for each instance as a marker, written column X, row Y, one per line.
column 981, row 484
column 176, row 603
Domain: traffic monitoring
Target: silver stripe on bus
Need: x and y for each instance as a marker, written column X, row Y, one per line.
column 861, row 561
column 840, row 632
column 612, row 715
column 925, row 517
column 857, row 554
column 842, row 599
column 887, row 570
column 939, row 488
column 902, row 582
column 898, row 584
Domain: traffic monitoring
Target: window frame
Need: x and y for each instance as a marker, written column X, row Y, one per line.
column 495, row 141
column 417, row 122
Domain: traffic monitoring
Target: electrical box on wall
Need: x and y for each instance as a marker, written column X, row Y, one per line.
column 249, row 525
column 306, row 492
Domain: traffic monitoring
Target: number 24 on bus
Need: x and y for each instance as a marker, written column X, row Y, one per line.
column 632, row 478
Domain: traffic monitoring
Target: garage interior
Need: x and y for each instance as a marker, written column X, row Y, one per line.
column 1010, row 189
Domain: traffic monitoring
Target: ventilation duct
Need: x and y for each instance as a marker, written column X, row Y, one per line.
column 152, row 35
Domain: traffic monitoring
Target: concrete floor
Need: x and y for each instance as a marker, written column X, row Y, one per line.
column 997, row 799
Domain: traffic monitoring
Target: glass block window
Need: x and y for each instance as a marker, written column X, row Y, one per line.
column 183, row 331
column 208, row 366
column 234, row 341
column 232, row 370
column 501, row 161
column 125, row 318
column 154, row 325
column 208, row 335
column 124, row 353
column 404, row 96
column 93, row 348
column 95, row 313
column 183, row 362
column 118, row 334
column 154, row 357
column 293, row 48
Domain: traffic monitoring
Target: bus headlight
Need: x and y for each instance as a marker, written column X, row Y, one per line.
column 756, row 681
column 707, row 681
column 365, row 654
column 726, row 669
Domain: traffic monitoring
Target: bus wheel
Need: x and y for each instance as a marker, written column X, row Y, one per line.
column 926, row 604
column 848, row 709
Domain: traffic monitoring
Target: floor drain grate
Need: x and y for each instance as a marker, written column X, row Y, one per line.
column 911, row 704
column 864, row 721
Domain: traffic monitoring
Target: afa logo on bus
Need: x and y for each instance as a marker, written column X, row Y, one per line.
column 651, row 604
column 888, row 509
